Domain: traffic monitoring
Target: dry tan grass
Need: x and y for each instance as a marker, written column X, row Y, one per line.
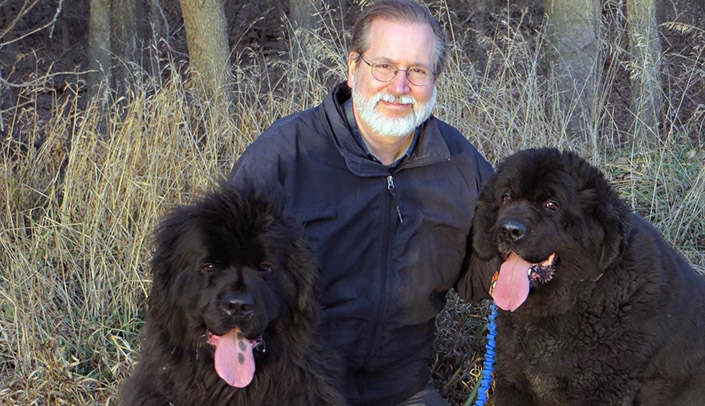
column 77, row 212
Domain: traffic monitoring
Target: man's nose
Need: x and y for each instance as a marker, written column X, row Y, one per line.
column 400, row 82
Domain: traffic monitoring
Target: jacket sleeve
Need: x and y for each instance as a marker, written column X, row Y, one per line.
column 259, row 167
column 252, row 170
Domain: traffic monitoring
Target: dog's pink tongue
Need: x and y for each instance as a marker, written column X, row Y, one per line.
column 512, row 286
column 234, row 362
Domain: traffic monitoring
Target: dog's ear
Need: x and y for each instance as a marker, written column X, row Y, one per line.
column 169, row 238
column 483, row 243
column 474, row 284
column 302, row 261
column 602, row 204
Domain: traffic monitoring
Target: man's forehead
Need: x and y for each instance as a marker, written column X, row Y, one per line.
column 401, row 42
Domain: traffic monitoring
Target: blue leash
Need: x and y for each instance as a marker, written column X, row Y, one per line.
column 488, row 364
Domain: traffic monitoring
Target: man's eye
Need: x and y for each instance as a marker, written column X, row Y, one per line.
column 384, row 66
column 418, row 71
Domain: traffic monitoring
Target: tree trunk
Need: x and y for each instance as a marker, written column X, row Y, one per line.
column 646, row 96
column 302, row 13
column 574, row 60
column 479, row 49
column 124, row 43
column 99, row 50
column 209, row 55
column 304, row 19
column 157, row 23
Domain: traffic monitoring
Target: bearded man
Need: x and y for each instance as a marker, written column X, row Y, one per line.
column 386, row 193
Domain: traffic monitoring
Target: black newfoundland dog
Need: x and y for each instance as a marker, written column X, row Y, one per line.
column 232, row 311
column 599, row 309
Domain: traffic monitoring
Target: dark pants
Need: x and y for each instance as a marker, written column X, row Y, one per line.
column 426, row 397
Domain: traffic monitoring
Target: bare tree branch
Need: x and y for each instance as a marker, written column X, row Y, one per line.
column 27, row 6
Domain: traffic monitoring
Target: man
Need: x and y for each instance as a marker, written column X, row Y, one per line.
column 386, row 193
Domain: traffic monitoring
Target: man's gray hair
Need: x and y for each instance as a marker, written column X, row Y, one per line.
column 401, row 11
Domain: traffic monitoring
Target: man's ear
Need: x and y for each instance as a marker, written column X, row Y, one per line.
column 353, row 62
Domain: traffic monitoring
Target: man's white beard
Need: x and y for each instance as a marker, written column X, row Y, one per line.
column 389, row 126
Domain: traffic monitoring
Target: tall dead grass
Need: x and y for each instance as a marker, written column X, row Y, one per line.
column 80, row 192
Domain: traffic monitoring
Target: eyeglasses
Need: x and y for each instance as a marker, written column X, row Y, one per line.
column 386, row 71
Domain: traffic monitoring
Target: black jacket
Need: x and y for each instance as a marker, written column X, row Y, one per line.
column 390, row 245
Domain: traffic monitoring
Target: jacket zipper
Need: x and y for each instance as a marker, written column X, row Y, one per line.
column 381, row 308
column 390, row 187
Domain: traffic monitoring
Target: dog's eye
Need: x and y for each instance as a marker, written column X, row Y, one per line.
column 265, row 266
column 551, row 205
column 506, row 197
column 209, row 267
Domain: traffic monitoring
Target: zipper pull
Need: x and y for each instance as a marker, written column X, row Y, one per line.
column 390, row 187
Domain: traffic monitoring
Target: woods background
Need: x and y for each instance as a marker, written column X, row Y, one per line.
column 113, row 110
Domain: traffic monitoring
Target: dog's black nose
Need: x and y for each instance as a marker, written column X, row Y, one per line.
column 237, row 304
column 512, row 230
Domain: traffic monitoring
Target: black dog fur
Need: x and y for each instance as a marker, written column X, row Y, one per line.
column 621, row 322
column 231, row 260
